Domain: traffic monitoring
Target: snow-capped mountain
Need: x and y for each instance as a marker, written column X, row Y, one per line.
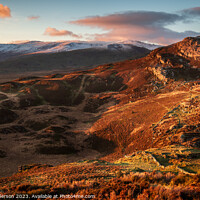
column 34, row 56
column 53, row 47
column 146, row 45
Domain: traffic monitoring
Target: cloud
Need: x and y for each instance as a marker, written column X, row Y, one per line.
column 191, row 12
column 54, row 32
column 132, row 18
column 138, row 25
column 33, row 17
column 4, row 11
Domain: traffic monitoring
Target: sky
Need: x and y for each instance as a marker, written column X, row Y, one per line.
column 155, row 21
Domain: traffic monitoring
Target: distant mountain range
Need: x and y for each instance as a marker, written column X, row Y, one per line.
column 35, row 47
column 39, row 58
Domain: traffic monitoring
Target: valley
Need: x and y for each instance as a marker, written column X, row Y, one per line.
column 132, row 123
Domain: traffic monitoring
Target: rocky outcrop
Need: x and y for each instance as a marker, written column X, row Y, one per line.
column 177, row 61
column 190, row 48
column 159, row 72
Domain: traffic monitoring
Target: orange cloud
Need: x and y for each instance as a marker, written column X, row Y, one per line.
column 54, row 32
column 138, row 25
column 4, row 11
column 33, row 17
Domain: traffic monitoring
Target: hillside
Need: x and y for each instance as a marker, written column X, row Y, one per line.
column 69, row 61
column 144, row 175
column 106, row 113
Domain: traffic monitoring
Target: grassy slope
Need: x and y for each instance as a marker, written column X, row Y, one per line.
column 170, row 173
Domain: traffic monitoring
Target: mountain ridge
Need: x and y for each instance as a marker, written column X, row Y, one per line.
column 36, row 47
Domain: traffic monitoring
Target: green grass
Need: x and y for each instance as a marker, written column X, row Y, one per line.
column 166, row 159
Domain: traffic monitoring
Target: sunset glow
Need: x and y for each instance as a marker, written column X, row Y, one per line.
column 51, row 20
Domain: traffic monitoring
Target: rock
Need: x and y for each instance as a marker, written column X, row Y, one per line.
column 190, row 47
column 7, row 116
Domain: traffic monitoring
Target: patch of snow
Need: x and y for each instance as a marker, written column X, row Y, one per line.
column 52, row 47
